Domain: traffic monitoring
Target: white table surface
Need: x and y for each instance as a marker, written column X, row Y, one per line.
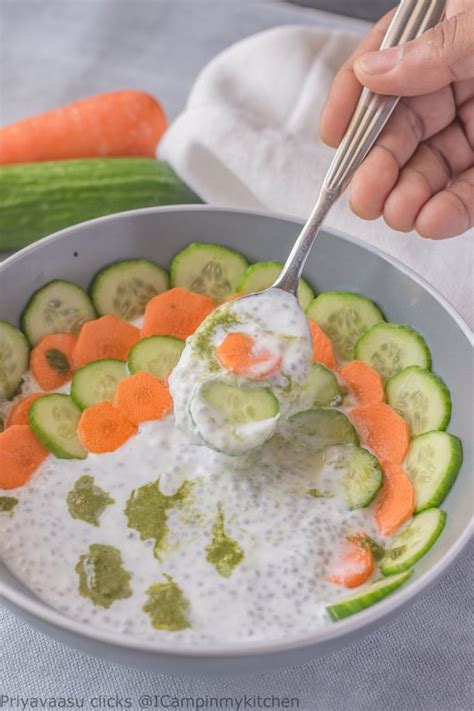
column 53, row 51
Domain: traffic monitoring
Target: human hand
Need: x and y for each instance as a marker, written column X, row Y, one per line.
column 420, row 173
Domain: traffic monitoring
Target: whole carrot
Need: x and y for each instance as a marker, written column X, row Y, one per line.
column 119, row 123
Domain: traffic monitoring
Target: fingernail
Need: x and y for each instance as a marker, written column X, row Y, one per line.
column 380, row 62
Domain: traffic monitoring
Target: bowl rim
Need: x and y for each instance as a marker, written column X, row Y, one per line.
column 343, row 628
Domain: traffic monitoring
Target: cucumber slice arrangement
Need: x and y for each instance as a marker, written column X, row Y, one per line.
column 344, row 317
column 421, row 398
column 14, row 357
column 209, row 269
column 97, row 382
column 432, row 463
column 373, row 593
column 58, row 307
column 261, row 275
column 54, row 419
column 413, row 542
column 358, row 474
column 391, row 347
column 125, row 288
column 327, row 427
column 321, row 388
column 157, row 355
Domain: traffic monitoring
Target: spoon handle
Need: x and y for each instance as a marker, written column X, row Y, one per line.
column 371, row 114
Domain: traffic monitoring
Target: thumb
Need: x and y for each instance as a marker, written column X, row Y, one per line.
column 440, row 56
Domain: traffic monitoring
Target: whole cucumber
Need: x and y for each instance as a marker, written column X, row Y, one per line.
column 37, row 199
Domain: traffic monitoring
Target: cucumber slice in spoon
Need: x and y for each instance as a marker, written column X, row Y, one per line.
column 413, row 542
column 373, row 593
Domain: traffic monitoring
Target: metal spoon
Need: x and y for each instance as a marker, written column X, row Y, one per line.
column 372, row 112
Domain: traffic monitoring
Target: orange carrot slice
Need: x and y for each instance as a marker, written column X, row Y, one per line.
column 239, row 353
column 18, row 415
column 105, row 337
column 396, row 501
column 322, row 347
column 364, row 381
column 104, row 428
column 119, row 123
column 143, row 397
column 382, row 429
column 176, row 312
column 354, row 565
column 20, row 455
column 51, row 361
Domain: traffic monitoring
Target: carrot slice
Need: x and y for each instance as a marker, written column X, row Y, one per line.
column 105, row 337
column 364, row 381
column 322, row 347
column 18, row 415
column 239, row 353
column 355, row 563
column 104, row 428
column 51, row 361
column 176, row 312
column 396, row 502
column 118, row 123
column 383, row 429
column 20, row 455
column 143, row 397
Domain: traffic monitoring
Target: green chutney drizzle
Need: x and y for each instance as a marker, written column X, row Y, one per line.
column 102, row 577
column 7, row 504
column 167, row 606
column 87, row 501
column 223, row 552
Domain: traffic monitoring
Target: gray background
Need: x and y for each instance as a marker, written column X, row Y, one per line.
column 53, row 51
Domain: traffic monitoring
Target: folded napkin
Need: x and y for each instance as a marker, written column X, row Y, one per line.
column 248, row 138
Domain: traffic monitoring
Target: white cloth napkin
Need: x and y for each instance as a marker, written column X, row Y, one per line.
column 248, row 137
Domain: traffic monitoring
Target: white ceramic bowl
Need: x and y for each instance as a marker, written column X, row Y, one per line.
column 337, row 262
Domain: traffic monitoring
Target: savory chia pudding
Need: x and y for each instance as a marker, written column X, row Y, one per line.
column 180, row 463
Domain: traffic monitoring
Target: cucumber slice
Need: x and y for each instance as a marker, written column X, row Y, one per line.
column 413, row 542
column 368, row 596
column 125, row 288
column 234, row 419
column 14, row 356
column 97, row 382
column 326, row 427
column 261, row 275
column 321, row 388
column 432, row 463
column 209, row 269
column 344, row 317
column 54, row 419
column 58, row 307
column 391, row 347
column 157, row 355
column 421, row 398
column 358, row 474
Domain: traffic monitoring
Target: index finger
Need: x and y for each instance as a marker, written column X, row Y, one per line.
column 346, row 88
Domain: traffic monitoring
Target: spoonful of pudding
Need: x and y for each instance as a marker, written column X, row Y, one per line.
column 247, row 364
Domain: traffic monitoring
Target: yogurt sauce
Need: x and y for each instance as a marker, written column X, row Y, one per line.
column 275, row 321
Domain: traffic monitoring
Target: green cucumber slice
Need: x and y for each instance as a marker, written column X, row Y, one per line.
column 210, row 269
column 391, row 347
column 413, row 542
column 347, row 606
column 14, row 356
column 321, row 388
column 157, row 355
column 326, row 428
column 344, row 317
column 125, row 288
column 54, row 419
column 261, row 275
column 358, row 474
column 432, row 463
column 240, row 404
column 421, row 398
column 58, row 307
column 97, row 382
